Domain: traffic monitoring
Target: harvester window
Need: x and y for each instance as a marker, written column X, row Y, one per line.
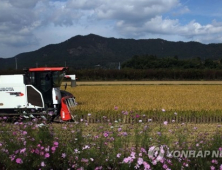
column 45, row 82
column 32, row 77
column 57, row 78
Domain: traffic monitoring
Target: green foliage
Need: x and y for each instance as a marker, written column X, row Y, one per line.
column 153, row 62
column 149, row 74
column 140, row 74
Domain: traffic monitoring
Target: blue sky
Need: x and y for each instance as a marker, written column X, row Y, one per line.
column 28, row 25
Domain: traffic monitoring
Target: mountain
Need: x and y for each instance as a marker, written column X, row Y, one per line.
column 93, row 50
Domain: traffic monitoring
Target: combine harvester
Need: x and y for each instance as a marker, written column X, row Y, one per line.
column 37, row 92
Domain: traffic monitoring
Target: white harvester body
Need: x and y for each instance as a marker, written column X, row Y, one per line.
column 13, row 93
column 37, row 92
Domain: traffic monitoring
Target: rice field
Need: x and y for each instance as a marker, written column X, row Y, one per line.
column 197, row 101
column 149, row 97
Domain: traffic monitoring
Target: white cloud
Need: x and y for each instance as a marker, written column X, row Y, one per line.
column 23, row 3
column 84, row 4
column 181, row 11
column 134, row 9
column 29, row 24
column 160, row 27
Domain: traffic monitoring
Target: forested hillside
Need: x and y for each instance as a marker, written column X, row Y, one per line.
column 95, row 51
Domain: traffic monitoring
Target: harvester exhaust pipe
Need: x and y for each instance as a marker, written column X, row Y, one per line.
column 73, row 83
column 73, row 79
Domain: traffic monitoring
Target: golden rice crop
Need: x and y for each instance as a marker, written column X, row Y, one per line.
column 148, row 97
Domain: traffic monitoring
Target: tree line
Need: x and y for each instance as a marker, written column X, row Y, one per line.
column 153, row 62
column 138, row 74
column 150, row 67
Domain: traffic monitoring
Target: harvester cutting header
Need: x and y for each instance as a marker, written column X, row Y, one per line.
column 37, row 92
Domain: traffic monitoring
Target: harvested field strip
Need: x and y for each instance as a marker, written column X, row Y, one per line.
column 158, row 117
column 80, row 83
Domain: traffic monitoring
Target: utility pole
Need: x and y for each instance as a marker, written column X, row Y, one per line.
column 119, row 66
column 16, row 65
column 36, row 65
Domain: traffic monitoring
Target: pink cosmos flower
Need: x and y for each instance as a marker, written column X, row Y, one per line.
column 124, row 134
column 42, row 164
column 165, row 166
column 128, row 160
column 86, row 147
column 214, row 161
column 105, row 134
column 165, row 122
column 53, row 149
column 81, row 168
column 63, row 155
column 125, row 112
column 159, row 133
column 143, row 150
column 76, row 151
column 12, row 157
column 22, row 150
column 16, row 152
column 47, row 149
column 112, row 139
column 119, row 129
column 118, row 155
column 19, row 161
column 154, row 162
column 24, row 133
column 84, row 160
column 56, row 144
column 47, row 155
column 146, row 166
column 36, row 151
column 212, row 167
column 137, row 116
column 140, row 161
